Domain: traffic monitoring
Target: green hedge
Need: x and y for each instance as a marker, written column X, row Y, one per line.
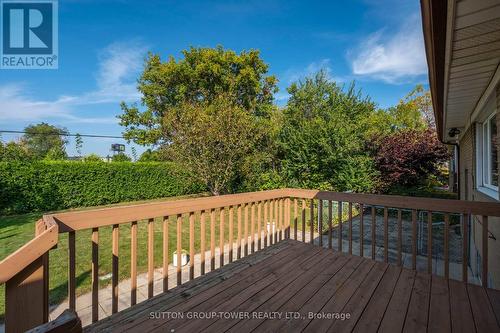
column 46, row 186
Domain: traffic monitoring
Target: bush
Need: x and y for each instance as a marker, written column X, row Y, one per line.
column 46, row 186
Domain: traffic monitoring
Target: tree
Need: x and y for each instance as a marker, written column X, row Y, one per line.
column 78, row 144
column 199, row 77
column 322, row 137
column 212, row 140
column 14, row 152
column 150, row 156
column 121, row 157
column 42, row 138
column 92, row 158
column 408, row 156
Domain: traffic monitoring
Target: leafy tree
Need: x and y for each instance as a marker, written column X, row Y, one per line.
column 212, row 140
column 150, row 156
column 199, row 77
column 408, row 156
column 322, row 138
column 78, row 144
column 42, row 138
column 56, row 154
column 121, row 157
column 14, row 152
column 92, row 158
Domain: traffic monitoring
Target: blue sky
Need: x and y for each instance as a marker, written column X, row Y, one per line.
column 102, row 44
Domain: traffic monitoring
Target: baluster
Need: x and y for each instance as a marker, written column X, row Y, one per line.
column 271, row 224
column 374, row 226
column 252, row 228
column 276, row 221
column 303, row 220
column 246, row 231
column 330, row 223
column 446, row 246
column 386, row 234
column 221, row 236
column 484, row 257
column 133, row 263
column 95, row 274
column 465, row 240
column 295, row 217
column 259, row 227
column 350, row 227
column 230, row 240
column 429, row 242
column 212, row 239
column 339, row 208
column 414, row 239
column 280, row 219
column 311, row 232
column 179, row 249
column 202, row 242
column 114, row 274
column 266, row 221
column 151, row 257
column 400, row 238
column 361, row 230
column 239, row 231
column 72, row 270
column 165, row 253
column 320, row 221
column 191, row 245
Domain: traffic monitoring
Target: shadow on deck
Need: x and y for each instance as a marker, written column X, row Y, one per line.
column 293, row 287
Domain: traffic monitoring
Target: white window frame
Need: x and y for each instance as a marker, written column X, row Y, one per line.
column 483, row 158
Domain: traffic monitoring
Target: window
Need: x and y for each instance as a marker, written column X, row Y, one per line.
column 488, row 154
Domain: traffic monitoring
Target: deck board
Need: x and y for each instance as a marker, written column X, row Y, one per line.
column 293, row 280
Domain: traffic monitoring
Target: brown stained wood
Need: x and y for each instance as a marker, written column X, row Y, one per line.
column 460, row 309
column 295, row 217
column 72, row 270
column 26, row 301
column 151, row 257
column 303, row 220
column 231, row 236
column 114, row 270
column 400, row 238
column 494, row 297
column 280, row 219
column 465, row 241
column 484, row 316
column 395, row 314
column 446, row 246
column 212, row 239
column 238, row 213
column 484, row 254
column 221, row 236
column 349, row 217
column 271, row 223
column 320, row 222
column 429, row 242
column 165, row 254
column 439, row 308
column 374, row 227
column 245, row 246
column 266, row 223
column 386, row 235
column 202, row 241
column 133, row 263
column 311, row 220
column 179, row 249
column 372, row 315
column 361, row 230
column 340, row 224
column 66, row 322
column 418, row 309
column 252, row 227
column 330, row 224
column 95, row 274
column 414, row 239
column 191, row 245
column 259, row 225
column 276, row 220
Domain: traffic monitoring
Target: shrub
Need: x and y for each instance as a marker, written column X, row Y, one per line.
column 45, row 186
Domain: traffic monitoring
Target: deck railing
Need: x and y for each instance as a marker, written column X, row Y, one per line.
column 253, row 220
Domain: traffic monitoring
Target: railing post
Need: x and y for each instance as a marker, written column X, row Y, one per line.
column 26, row 297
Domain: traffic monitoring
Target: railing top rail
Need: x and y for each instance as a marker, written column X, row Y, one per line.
column 404, row 202
column 78, row 220
column 46, row 238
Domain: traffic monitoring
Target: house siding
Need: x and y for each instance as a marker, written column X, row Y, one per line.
column 469, row 191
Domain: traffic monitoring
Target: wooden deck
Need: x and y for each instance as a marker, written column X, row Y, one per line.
column 288, row 286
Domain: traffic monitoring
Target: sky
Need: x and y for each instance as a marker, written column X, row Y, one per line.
column 102, row 45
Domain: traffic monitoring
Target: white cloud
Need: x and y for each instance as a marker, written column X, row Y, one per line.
column 394, row 58
column 118, row 67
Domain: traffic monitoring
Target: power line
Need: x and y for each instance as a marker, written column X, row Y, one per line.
column 64, row 134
